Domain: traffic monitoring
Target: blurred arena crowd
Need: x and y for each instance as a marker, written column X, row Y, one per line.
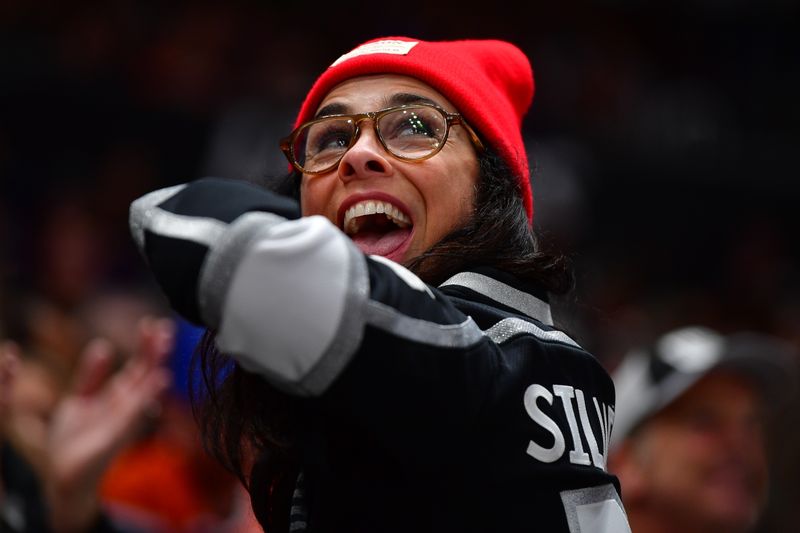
column 663, row 142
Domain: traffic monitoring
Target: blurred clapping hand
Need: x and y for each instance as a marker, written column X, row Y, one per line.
column 99, row 415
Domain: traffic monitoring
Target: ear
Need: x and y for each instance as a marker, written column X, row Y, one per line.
column 626, row 464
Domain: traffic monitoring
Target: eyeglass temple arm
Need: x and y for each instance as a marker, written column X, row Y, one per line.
column 476, row 141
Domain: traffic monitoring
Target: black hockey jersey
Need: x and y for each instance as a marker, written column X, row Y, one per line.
column 452, row 408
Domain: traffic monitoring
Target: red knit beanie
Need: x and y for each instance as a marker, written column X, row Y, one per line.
column 489, row 82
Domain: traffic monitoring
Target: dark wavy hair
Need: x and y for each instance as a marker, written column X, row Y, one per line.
column 250, row 426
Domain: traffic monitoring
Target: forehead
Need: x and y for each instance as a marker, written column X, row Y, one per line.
column 721, row 391
column 370, row 93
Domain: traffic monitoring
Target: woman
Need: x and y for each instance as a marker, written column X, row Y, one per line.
column 369, row 396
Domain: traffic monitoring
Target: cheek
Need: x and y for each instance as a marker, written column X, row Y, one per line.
column 314, row 197
column 694, row 458
column 673, row 454
column 460, row 195
column 448, row 207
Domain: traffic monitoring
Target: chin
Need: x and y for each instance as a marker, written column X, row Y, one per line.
column 733, row 512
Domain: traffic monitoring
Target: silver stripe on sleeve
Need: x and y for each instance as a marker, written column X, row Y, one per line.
column 206, row 231
column 298, row 515
column 510, row 327
column 351, row 329
column 223, row 257
column 389, row 319
column 504, row 294
column 141, row 211
column 595, row 510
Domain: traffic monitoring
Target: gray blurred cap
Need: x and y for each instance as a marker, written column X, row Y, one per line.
column 649, row 379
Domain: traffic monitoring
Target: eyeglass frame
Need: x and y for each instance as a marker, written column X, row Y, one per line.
column 451, row 119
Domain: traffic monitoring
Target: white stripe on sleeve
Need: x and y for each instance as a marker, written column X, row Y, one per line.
column 287, row 299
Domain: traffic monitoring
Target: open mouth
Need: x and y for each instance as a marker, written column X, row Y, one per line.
column 378, row 227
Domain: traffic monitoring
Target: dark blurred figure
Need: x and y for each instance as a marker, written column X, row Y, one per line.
column 689, row 439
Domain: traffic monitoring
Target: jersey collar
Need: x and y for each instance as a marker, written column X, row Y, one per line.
column 504, row 294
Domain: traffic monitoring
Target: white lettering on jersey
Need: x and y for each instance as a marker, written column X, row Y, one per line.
column 580, row 433
column 576, row 456
column 597, row 458
column 545, row 455
column 605, row 413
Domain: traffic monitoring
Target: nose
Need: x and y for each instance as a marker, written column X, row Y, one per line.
column 366, row 158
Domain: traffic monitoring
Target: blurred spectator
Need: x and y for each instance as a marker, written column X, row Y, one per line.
column 164, row 478
column 53, row 459
column 70, row 259
column 100, row 455
column 689, row 433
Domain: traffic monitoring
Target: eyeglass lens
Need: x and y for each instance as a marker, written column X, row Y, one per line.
column 409, row 132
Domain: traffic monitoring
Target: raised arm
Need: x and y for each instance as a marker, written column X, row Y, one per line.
column 291, row 298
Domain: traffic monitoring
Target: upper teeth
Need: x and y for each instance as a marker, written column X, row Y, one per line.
column 373, row 207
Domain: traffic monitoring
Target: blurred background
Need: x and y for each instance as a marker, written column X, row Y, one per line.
column 662, row 136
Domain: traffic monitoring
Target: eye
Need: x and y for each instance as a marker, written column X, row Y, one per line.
column 414, row 122
column 413, row 132
column 410, row 122
column 416, row 125
column 328, row 136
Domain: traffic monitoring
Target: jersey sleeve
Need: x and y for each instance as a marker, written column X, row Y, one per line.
column 292, row 299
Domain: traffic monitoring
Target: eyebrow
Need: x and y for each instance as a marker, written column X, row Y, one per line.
column 409, row 98
column 394, row 100
column 332, row 109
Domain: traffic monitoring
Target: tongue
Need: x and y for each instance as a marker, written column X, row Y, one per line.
column 379, row 243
